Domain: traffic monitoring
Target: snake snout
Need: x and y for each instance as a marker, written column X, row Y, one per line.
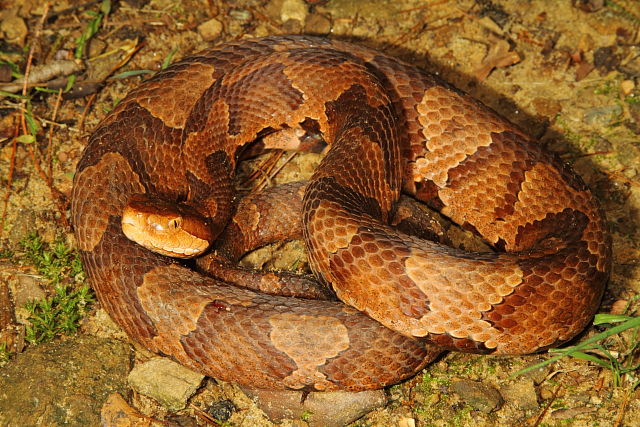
column 166, row 228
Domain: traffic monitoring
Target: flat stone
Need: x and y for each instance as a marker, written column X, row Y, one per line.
column 331, row 409
column 522, row 394
column 479, row 396
column 63, row 382
column 166, row 381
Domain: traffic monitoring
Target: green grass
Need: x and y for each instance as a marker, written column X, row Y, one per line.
column 4, row 354
column 623, row 362
column 92, row 28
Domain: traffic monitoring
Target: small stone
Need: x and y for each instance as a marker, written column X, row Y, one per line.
column 165, row 381
column 627, row 86
column 14, row 30
column 96, row 47
column 294, row 9
column 221, row 410
column 546, row 393
column 521, row 394
column 603, row 115
column 317, row 24
column 546, row 107
column 538, row 375
column 406, row 422
column 330, row 409
column 210, row 30
column 25, row 289
column 480, row 396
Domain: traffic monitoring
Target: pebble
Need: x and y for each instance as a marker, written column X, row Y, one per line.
column 602, row 115
column 317, row 24
column 479, row 396
column 165, row 381
column 294, row 9
column 14, row 30
column 210, row 30
column 627, row 86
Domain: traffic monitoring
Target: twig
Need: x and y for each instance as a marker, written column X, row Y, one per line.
column 623, row 409
column 86, row 110
column 12, row 166
column 57, row 195
column 544, row 411
column 73, row 9
column 42, row 73
column 266, row 180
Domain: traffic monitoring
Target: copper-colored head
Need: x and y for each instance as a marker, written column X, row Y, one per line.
column 166, row 228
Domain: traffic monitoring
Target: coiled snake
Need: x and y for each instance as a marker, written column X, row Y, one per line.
column 392, row 128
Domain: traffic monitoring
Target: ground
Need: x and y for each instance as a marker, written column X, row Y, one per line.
column 566, row 72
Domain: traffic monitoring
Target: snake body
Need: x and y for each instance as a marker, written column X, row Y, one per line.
column 391, row 128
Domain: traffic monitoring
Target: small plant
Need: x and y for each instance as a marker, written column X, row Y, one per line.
column 92, row 27
column 306, row 415
column 59, row 314
column 54, row 262
column 4, row 354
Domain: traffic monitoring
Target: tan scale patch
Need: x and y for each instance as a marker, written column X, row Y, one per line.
column 155, row 285
column 249, row 216
column 454, row 306
column 178, row 94
column 270, row 282
column 454, row 127
column 175, row 297
column 533, row 204
column 330, row 237
column 91, row 217
column 310, row 341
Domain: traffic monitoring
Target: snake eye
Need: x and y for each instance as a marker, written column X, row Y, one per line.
column 175, row 223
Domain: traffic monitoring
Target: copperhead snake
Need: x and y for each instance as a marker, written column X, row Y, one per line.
column 391, row 128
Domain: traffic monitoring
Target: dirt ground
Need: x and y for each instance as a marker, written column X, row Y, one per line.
column 566, row 72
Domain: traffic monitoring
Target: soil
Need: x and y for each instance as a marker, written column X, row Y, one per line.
column 566, row 72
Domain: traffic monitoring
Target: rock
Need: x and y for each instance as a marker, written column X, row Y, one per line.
column 221, row 410
column 318, row 409
column 479, row 396
column 165, row 381
column 294, row 9
column 603, row 115
column 317, row 24
column 14, row 30
column 521, row 394
column 26, row 288
column 63, row 382
column 210, row 30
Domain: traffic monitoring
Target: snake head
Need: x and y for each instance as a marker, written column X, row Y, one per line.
column 167, row 228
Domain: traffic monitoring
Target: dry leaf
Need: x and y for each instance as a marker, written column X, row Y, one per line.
column 499, row 55
column 116, row 412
